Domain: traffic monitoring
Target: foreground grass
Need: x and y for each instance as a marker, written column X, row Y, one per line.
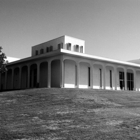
column 69, row 114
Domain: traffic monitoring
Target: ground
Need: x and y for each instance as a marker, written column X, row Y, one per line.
column 69, row 114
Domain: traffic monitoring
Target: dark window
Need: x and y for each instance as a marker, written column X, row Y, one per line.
column 51, row 48
column 60, row 46
column 77, row 48
column 47, row 49
column 69, row 46
column 111, row 78
column 100, row 77
column 121, row 77
column 81, row 49
column 36, row 52
column 41, row 51
column 89, row 76
column 130, row 81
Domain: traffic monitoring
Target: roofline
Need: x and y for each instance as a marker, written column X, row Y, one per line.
column 98, row 58
column 63, row 51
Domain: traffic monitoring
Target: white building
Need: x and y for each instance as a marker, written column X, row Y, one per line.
column 62, row 63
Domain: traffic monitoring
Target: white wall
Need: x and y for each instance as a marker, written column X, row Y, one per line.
column 69, row 74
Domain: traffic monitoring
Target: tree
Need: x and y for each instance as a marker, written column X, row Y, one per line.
column 3, row 62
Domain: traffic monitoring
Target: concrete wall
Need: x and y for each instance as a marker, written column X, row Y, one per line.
column 84, row 75
column 55, row 73
column 96, row 76
column 108, row 69
column 74, row 41
column 43, row 46
column 69, row 74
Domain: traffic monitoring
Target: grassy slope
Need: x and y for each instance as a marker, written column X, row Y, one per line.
column 68, row 114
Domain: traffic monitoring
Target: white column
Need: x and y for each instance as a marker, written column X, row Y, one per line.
column 115, row 77
column 5, row 79
column 135, row 81
column 91, row 75
column 28, row 76
column 20, row 77
column 38, row 74
column 104, row 76
column 49, row 74
column 78, row 74
column 125, row 77
column 61, row 73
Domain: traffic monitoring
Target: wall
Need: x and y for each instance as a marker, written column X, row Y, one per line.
column 55, row 73
column 69, row 74
column 84, row 75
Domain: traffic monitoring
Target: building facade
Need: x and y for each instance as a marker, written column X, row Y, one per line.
column 62, row 63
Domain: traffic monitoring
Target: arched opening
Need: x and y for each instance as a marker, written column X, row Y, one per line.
column 55, row 73
column 70, row 74
column 97, row 76
column 109, row 78
column 24, row 77
column 33, row 76
column 121, row 79
column 16, row 79
column 44, row 74
column 85, row 75
column 130, row 80
column 9, row 80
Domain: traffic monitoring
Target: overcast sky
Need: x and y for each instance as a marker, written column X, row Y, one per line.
column 111, row 28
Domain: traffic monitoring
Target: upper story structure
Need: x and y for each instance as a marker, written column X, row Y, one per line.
column 63, row 42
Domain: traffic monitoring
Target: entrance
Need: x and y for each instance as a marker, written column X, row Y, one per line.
column 130, row 81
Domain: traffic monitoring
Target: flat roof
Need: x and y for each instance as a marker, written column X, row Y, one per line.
column 63, row 51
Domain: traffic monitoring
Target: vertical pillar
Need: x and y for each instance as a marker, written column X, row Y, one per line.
column 20, row 77
column 125, row 78
column 5, row 80
column 61, row 73
column 12, row 87
column 104, row 76
column 77, row 74
column 91, row 75
column 135, row 81
column 115, row 77
column 38, row 74
column 49, row 74
column 28, row 76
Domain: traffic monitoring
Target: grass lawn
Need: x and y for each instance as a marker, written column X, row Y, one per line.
column 69, row 114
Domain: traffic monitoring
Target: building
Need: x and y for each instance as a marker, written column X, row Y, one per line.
column 62, row 63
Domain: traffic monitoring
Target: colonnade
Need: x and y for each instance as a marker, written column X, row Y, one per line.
column 68, row 72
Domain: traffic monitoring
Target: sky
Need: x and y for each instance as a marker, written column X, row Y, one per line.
column 110, row 28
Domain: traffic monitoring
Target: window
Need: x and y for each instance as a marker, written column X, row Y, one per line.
column 36, row 52
column 47, row 49
column 100, row 78
column 111, row 78
column 81, row 49
column 60, row 46
column 89, row 76
column 77, row 48
column 41, row 51
column 69, row 46
column 130, row 81
column 121, row 77
column 51, row 48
